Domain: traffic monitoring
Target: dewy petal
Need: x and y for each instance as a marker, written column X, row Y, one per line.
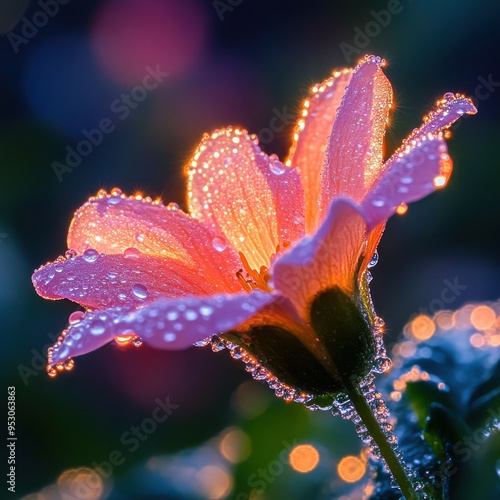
column 330, row 258
column 448, row 110
column 166, row 324
column 111, row 223
column 422, row 167
column 311, row 137
column 354, row 152
column 97, row 281
column 252, row 198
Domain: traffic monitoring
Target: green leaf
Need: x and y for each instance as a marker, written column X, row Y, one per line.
column 423, row 393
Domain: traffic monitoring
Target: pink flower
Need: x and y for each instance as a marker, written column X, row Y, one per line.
column 262, row 239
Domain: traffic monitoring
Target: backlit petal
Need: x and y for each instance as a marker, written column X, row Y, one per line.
column 311, row 137
column 166, row 324
column 330, row 258
column 111, row 223
column 354, row 152
column 423, row 166
column 252, row 198
column 448, row 110
column 98, row 281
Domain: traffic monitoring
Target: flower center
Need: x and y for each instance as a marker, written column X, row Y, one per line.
column 250, row 278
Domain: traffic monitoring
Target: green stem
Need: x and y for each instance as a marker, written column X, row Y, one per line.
column 370, row 421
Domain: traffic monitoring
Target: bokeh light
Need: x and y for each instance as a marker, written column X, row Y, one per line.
column 128, row 36
column 351, row 469
column 304, row 458
column 235, row 445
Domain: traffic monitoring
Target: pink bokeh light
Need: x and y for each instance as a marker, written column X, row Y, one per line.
column 130, row 35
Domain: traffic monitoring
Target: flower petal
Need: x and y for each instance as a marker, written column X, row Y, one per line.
column 252, row 198
column 422, row 167
column 97, row 281
column 111, row 223
column 166, row 324
column 313, row 129
column 448, row 110
column 330, row 258
column 354, row 152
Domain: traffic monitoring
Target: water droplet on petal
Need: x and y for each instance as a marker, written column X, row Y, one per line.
column 276, row 166
column 132, row 253
column 70, row 254
column 139, row 237
column 219, row 244
column 70, row 277
column 191, row 315
column 172, row 315
column 140, row 291
column 373, row 261
column 116, row 191
column 90, row 255
column 169, row 337
column 206, row 310
column 76, row 316
column 114, row 200
column 97, row 328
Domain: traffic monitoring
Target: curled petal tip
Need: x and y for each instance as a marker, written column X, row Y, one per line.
column 370, row 58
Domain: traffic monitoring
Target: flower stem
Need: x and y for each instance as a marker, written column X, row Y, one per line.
column 370, row 421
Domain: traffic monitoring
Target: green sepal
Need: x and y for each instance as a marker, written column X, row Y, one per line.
column 287, row 358
column 345, row 334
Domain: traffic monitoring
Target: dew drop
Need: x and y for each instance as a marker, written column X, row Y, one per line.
column 206, row 310
column 76, row 316
column 382, row 364
column 378, row 203
column 116, row 191
column 173, row 206
column 139, row 237
column 191, row 315
column 90, row 255
column 97, row 328
column 114, row 200
column 373, row 260
column 140, row 291
column 70, row 254
column 169, row 337
column 219, row 244
column 276, row 166
column 70, row 277
column 131, row 253
column 172, row 315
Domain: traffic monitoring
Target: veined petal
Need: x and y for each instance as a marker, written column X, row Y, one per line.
column 97, row 281
column 423, row 166
column 330, row 258
column 354, row 151
column 111, row 223
column 166, row 324
column 253, row 199
column 310, row 139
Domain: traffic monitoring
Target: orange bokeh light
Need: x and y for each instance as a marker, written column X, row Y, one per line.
column 304, row 458
column 423, row 327
column 483, row 317
column 351, row 469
